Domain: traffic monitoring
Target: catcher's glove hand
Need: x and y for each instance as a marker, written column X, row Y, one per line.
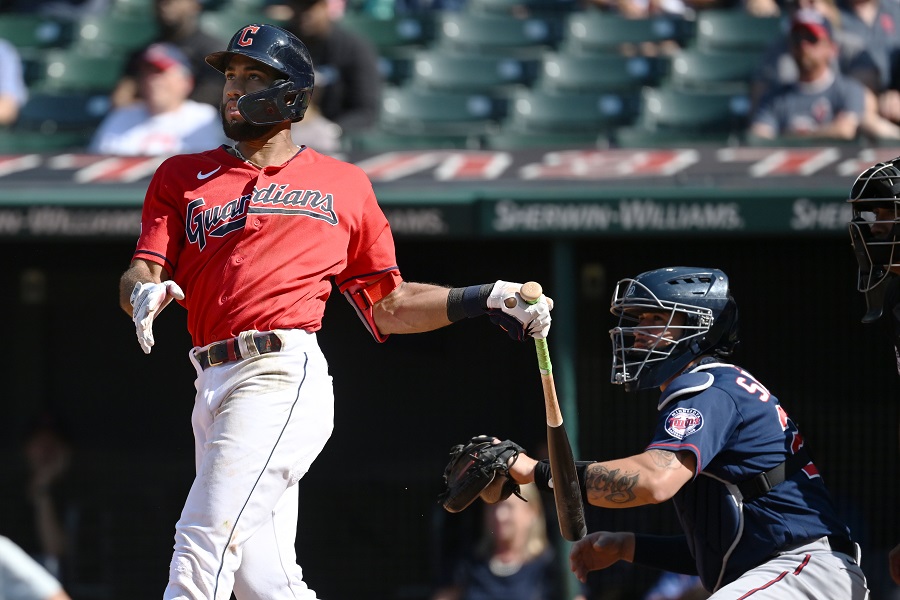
column 479, row 468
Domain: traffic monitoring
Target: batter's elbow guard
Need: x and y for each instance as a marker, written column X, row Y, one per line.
column 364, row 296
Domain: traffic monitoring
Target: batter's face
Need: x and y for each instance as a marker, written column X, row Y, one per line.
column 244, row 76
column 658, row 328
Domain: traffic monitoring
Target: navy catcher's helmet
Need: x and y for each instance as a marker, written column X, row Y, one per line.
column 278, row 48
column 710, row 323
column 874, row 230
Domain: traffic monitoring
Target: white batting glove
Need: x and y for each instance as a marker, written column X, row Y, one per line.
column 532, row 319
column 148, row 300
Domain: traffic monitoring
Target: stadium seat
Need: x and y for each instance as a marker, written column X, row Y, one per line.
column 17, row 141
column 697, row 69
column 591, row 72
column 133, row 9
column 510, row 138
column 225, row 22
column 596, row 31
column 536, row 110
column 412, row 110
column 384, row 141
column 28, row 30
column 670, row 115
column 496, row 33
column 469, row 71
column 63, row 70
column 532, row 7
column 386, row 34
column 49, row 113
column 107, row 34
column 732, row 30
column 396, row 40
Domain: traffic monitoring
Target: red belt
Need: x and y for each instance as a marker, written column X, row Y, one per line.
column 229, row 350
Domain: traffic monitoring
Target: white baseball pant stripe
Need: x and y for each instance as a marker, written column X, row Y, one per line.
column 258, row 423
column 809, row 572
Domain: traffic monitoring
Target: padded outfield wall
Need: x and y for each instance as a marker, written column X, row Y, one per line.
column 774, row 219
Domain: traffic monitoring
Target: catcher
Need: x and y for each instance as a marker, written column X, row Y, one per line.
column 758, row 520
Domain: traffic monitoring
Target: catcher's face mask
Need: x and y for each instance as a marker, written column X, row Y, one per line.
column 650, row 333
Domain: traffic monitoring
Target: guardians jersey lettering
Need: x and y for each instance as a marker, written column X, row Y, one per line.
column 219, row 221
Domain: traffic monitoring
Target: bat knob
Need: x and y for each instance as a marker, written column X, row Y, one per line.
column 531, row 291
column 510, row 302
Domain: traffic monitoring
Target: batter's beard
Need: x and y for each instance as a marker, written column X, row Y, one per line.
column 243, row 131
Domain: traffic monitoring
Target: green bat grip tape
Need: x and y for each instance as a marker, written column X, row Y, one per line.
column 543, row 355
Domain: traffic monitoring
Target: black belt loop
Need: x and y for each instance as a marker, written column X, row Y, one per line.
column 229, row 350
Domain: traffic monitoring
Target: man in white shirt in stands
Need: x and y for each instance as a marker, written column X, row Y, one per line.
column 165, row 121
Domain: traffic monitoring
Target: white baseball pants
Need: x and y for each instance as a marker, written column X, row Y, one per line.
column 258, row 425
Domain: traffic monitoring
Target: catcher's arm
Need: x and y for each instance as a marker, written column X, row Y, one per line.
column 651, row 477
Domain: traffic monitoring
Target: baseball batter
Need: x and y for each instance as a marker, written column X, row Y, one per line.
column 874, row 233
column 250, row 239
column 758, row 521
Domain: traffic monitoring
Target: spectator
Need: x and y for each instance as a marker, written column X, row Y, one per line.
column 822, row 103
column 777, row 65
column 179, row 24
column 165, row 121
column 21, row 578
column 869, row 41
column 48, row 452
column 346, row 66
column 513, row 559
column 13, row 92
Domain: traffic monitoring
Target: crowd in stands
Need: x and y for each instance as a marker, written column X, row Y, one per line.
column 470, row 73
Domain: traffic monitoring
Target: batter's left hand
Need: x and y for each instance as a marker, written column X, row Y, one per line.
column 148, row 300
column 521, row 319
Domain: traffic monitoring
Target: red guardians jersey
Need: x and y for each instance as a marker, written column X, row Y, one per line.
column 259, row 249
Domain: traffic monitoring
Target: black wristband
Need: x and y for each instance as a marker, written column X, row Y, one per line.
column 467, row 302
column 543, row 474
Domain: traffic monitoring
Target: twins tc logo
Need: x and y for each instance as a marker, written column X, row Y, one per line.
column 247, row 34
column 682, row 422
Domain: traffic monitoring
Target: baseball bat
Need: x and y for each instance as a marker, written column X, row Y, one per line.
column 566, row 490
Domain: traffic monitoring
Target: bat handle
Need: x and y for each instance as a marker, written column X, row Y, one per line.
column 531, row 292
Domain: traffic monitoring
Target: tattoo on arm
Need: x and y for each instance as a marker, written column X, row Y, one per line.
column 612, row 484
column 664, row 459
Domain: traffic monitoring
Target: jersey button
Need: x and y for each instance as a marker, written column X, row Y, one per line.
column 238, row 260
column 223, row 300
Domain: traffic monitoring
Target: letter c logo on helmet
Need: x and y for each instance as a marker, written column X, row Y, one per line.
column 246, row 39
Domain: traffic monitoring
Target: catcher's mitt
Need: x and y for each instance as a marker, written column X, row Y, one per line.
column 479, row 468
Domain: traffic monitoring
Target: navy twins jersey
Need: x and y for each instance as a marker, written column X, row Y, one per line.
column 737, row 429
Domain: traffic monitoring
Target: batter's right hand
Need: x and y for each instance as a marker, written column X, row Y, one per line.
column 518, row 318
column 147, row 300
